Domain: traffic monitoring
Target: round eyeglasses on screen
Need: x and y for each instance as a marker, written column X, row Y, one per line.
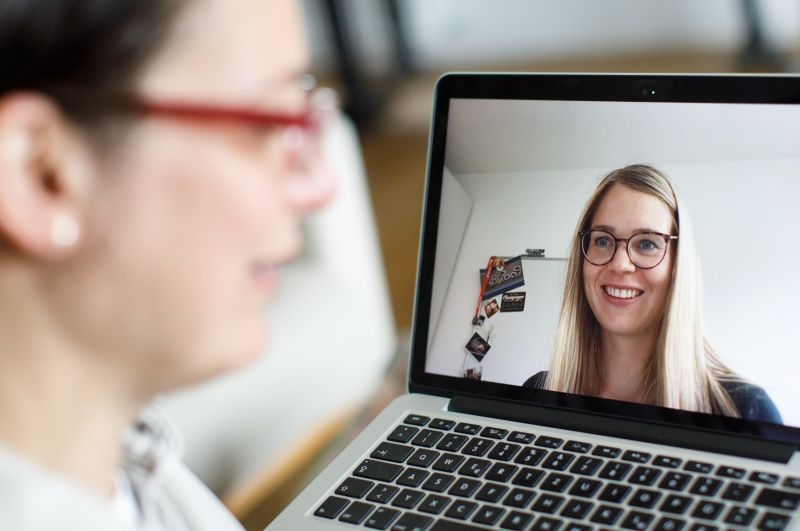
column 645, row 249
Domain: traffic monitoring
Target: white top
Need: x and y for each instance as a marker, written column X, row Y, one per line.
column 155, row 491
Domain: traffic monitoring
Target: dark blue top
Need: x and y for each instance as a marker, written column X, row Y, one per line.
column 752, row 401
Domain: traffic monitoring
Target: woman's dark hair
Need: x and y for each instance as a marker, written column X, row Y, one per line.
column 84, row 54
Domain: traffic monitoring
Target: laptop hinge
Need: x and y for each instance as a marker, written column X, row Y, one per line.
column 696, row 439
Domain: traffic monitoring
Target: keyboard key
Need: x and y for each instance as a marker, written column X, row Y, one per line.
column 774, row 521
column 452, row 442
column 556, row 482
column 788, row 501
column 488, row 514
column 356, row 512
column 547, row 503
column 549, row 442
column 585, row 488
column 477, row 446
column 423, row 458
column 675, row 481
column 676, row 504
column 706, row 486
column 557, row 461
column 396, row 453
column 586, row 466
column 763, row 477
column 698, row 466
column 792, row 483
column 416, row 420
column 433, row 504
column 704, row 527
column 461, row 509
column 606, row 515
column 730, row 472
column 382, row 493
column 491, row 492
column 546, row 524
column 503, row 451
column 572, row 526
column 636, row 456
column 740, row 516
column 403, row 434
column 426, row 438
column 378, row 470
column 708, row 510
column 474, row 467
column 331, row 507
column 606, row 451
column 408, row 499
column 519, row 498
column 412, row 522
column 382, row 518
column 637, row 520
column 469, row 429
column 577, row 446
column 354, row 488
column 738, row 492
column 501, row 472
column 644, row 498
column 667, row 461
column 530, row 456
column 412, row 477
column 521, row 437
column 448, row 462
column 644, row 475
column 577, row 509
column 494, row 433
column 438, row 482
column 464, row 487
column 527, row 477
column 442, row 424
column 516, row 521
column 614, row 493
column 615, row 470
column 669, row 524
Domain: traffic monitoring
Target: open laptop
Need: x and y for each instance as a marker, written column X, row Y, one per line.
column 488, row 437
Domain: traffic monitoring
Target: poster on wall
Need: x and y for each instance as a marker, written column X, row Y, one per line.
column 505, row 278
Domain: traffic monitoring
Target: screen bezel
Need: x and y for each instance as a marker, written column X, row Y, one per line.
column 741, row 89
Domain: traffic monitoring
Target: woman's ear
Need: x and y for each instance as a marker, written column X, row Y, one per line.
column 44, row 172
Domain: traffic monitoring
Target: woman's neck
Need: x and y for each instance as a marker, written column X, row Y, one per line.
column 623, row 362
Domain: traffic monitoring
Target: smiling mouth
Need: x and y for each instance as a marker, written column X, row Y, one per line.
column 622, row 293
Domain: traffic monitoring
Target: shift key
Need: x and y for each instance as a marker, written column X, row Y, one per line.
column 778, row 499
column 377, row 470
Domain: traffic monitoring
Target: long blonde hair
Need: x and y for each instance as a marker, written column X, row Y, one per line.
column 684, row 372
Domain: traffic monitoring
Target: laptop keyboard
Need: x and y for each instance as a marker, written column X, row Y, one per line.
column 441, row 475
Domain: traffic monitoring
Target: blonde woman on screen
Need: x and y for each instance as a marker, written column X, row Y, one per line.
column 631, row 324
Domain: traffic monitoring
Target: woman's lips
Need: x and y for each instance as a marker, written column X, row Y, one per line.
column 621, row 296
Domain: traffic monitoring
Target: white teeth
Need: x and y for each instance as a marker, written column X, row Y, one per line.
column 622, row 293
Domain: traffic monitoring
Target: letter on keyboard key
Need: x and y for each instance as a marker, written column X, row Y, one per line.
column 377, row 470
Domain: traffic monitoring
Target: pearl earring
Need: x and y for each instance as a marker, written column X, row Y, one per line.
column 65, row 231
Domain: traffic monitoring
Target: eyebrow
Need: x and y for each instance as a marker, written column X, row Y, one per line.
column 609, row 228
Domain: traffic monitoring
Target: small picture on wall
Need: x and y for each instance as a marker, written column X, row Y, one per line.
column 477, row 346
column 491, row 307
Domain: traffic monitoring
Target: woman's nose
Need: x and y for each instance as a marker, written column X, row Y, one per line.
column 621, row 262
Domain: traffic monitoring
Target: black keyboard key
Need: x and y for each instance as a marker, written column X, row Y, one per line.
column 423, row 458
column 667, row 461
column 606, row 515
column 614, row 493
column 763, row 477
column 433, row 504
column 501, row 472
column 469, row 429
column 676, row 504
column 426, row 438
column 572, row 526
column 491, row 492
column 464, row 487
column 416, row 420
column 737, row 492
column 403, row 434
column 698, row 466
column 516, row 521
column 547, row 503
column 546, row 524
column 378, row 470
column 730, row 472
column 636, row 457
column 773, row 521
column 606, row 451
column 521, row 437
column 461, row 509
column 503, row 451
column 452, row 442
column 578, row 447
column 488, row 515
column 530, row 456
column 549, row 442
column 585, row 488
column 448, row 462
column 494, row 433
column 644, row 475
column 438, row 482
column 704, row 527
column 577, row 509
column 331, row 507
column 740, row 516
column 396, row 453
column 382, row 518
column 354, row 488
column 644, row 498
column 527, row 477
column 586, row 466
column 356, row 512
column 675, row 481
column 442, row 424
column 637, row 520
column 615, row 470
column 412, row 477
column 669, row 524
column 705, row 486
column 408, row 499
column 519, row 498
column 707, row 510
column 474, row 467
column 557, row 461
column 555, row 482
column 778, row 499
column 792, row 483
column 382, row 493
column 477, row 446
column 412, row 522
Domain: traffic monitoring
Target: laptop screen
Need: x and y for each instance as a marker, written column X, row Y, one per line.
column 603, row 243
